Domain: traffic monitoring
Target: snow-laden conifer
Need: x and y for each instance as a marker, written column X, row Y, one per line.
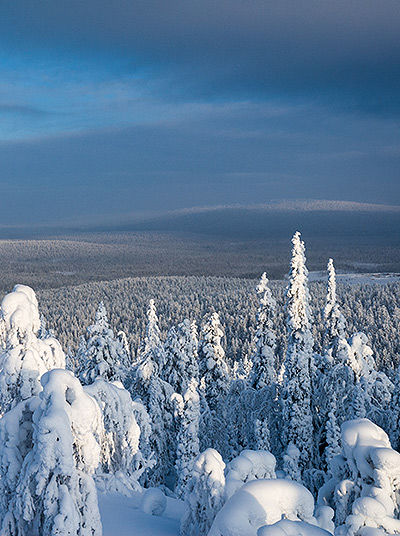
column 121, row 462
column 55, row 492
column 181, row 356
column 204, row 493
column 187, row 412
column 263, row 371
column 148, row 386
column 335, row 323
column 104, row 355
column 214, row 370
column 297, row 416
column 25, row 357
column 215, row 382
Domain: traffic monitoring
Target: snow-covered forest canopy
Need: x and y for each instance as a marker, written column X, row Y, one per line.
column 221, row 406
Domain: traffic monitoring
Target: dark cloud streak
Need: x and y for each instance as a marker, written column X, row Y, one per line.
column 231, row 47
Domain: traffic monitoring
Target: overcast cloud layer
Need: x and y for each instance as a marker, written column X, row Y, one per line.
column 118, row 107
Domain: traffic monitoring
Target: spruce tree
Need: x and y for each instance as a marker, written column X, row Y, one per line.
column 25, row 357
column 214, row 371
column 263, row 371
column 297, row 416
column 215, row 381
column 188, row 415
column 334, row 320
column 155, row 393
column 181, row 356
column 55, row 493
column 204, row 495
column 104, row 354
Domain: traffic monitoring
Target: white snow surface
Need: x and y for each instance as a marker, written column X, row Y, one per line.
column 286, row 527
column 263, row 502
column 122, row 516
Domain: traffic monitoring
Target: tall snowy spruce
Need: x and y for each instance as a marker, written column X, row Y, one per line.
column 263, row 371
column 104, row 355
column 187, row 412
column 335, row 323
column 297, row 415
column 214, row 382
column 155, row 393
column 263, row 375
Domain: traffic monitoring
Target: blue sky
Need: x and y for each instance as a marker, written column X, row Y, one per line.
column 111, row 108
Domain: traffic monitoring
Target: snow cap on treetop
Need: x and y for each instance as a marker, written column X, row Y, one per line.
column 20, row 310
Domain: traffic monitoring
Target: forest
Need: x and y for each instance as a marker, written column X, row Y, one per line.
column 267, row 411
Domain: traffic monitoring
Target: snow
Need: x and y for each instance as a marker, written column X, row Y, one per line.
column 249, row 465
column 286, row 527
column 153, row 502
column 20, row 310
column 204, row 493
column 263, row 502
column 365, row 486
column 121, row 516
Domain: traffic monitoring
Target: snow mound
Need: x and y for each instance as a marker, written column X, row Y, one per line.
column 153, row 502
column 286, row 527
column 20, row 310
column 360, row 439
column 249, row 465
column 263, row 502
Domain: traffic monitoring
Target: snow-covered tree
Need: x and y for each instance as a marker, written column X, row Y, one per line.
column 16, row 439
column 291, row 465
column 181, row 356
column 187, row 411
column 155, row 393
column 332, row 435
column 151, row 358
column 204, row 493
column 25, row 357
column 121, row 462
column 364, row 488
column 104, row 355
column 215, row 380
column 335, row 323
column 214, row 371
column 241, row 410
column 373, row 390
column 395, row 412
column 263, row 372
column 297, row 416
column 55, row 492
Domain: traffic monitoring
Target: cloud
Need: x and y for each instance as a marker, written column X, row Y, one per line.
column 21, row 110
column 346, row 48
